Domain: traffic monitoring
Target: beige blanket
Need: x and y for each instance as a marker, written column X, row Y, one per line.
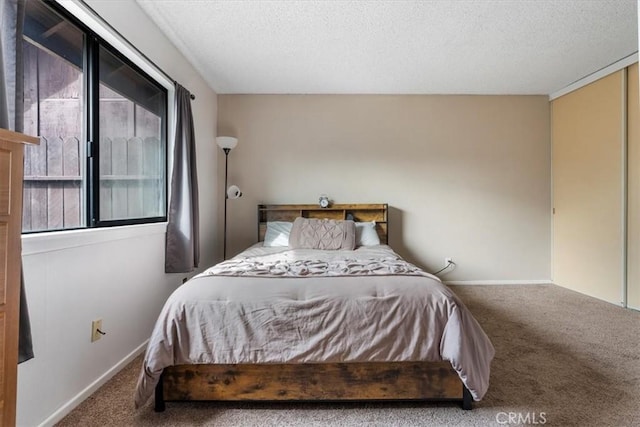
column 274, row 305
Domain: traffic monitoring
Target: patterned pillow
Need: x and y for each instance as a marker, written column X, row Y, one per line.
column 326, row 234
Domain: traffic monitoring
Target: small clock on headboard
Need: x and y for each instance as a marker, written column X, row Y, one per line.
column 324, row 201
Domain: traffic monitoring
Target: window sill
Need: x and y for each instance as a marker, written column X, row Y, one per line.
column 60, row 240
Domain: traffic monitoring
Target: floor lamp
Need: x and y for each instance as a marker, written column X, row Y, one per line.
column 227, row 143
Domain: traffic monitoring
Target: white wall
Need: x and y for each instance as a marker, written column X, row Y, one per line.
column 117, row 275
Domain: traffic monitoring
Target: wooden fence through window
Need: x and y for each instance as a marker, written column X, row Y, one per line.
column 131, row 181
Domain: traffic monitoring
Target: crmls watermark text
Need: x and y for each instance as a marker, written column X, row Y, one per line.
column 521, row 418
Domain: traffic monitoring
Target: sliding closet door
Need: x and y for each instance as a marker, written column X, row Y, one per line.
column 633, row 189
column 588, row 132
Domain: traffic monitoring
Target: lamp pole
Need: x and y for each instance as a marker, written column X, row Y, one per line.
column 226, row 196
column 227, row 143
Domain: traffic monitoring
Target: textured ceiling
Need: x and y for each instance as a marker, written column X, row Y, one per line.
column 399, row 47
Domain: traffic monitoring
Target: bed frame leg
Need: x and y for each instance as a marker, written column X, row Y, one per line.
column 159, row 396
column 466, row 399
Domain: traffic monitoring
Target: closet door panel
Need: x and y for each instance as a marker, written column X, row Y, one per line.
column 633, row 188
column 588, row 132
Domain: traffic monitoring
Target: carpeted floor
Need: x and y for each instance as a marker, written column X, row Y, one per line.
column 561, row 359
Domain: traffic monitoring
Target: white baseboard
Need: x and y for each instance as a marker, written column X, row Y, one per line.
column 84, row 394
column 498, row 282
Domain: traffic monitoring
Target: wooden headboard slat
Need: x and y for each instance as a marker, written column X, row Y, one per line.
column 360, row 212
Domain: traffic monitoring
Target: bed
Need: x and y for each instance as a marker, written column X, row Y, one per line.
column 297, row 319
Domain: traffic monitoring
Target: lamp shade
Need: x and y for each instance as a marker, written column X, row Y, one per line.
column 233, row 192
column 227, row 142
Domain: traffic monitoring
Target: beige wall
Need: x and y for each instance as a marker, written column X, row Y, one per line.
column 588, row 130
column 466, row 177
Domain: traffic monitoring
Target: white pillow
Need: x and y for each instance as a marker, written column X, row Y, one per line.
column 277, row 233
column 366, row 234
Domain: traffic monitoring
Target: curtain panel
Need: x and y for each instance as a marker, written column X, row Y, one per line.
column 11, row 67
column 182, row 252
column 11, row 117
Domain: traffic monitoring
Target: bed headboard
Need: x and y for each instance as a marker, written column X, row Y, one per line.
column 358, row 212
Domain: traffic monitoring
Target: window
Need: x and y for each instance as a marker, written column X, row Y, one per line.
column 102, row 122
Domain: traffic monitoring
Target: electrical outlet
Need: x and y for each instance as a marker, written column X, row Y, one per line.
column 96, row 329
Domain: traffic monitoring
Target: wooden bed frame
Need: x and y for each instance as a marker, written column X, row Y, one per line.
column 378, row 381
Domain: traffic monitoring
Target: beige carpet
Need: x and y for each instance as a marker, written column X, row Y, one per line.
column 561, row 359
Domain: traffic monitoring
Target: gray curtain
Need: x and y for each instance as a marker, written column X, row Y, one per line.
column 182, row 252
column 11, row 19
column 11, row 117
column 25, row 345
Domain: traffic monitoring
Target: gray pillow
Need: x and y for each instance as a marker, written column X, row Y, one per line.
column 326, row 234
